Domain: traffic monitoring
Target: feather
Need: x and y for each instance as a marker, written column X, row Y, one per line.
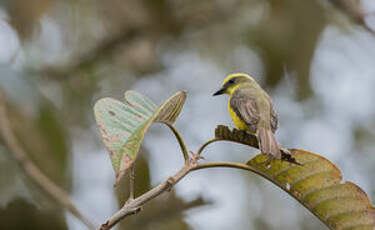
column 254, row 107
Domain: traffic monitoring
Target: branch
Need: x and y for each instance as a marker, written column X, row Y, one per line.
column 103, row 49
column 19, row 155
column 228, row 165
column 134, row 206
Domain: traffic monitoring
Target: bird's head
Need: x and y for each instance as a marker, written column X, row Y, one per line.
column 232, row 81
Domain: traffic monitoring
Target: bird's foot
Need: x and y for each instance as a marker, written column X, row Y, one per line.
column 286, row 155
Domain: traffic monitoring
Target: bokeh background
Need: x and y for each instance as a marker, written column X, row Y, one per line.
column 57, row 57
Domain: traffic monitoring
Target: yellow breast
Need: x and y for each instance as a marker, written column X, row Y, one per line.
column 237, row 120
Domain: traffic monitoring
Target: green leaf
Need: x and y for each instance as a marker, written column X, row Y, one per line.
column 317, row 184
column 123, row 126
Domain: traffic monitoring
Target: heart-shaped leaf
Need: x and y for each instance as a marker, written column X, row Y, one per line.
column 316, row 184
column 123, row 126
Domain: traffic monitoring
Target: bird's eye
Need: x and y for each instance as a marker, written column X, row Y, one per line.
column 231, row 81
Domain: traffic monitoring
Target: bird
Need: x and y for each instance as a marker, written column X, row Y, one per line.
column 252, row 111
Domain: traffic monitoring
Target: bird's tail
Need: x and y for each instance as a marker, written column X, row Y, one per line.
column 268, row 143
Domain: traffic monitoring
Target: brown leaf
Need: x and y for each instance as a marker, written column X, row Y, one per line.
column 222, row 132
column 318, row 186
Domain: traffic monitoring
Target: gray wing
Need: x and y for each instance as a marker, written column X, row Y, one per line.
column 274, row 120
column 246, row 108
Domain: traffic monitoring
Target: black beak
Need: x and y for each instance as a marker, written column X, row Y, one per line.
column 220, row 91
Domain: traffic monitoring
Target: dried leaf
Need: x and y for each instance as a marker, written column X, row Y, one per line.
column 222, row 132
column 318, row 186
column 123, row 126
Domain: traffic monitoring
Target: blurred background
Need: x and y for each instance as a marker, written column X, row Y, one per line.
column 57, row 57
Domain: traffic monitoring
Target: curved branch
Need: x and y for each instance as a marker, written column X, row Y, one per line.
column 180, row 141
column 132, row 207
column 223, row 164
column 230, row 165
column 217, row 139
column 19, row 155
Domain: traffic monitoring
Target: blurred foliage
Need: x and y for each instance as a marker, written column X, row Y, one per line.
column 287, row 39
column 32, row 217
column 43, row 138
column 73, row 52
column 25, row 18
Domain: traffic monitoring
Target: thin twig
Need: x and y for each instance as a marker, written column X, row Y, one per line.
column 218, row 139
column 131, row 181
column 180, row 141
column 207, row 143
column 19, row 154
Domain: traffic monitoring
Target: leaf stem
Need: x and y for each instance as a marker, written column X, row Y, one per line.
column 229, row 165
column 223, row 164
column 217, row 139
column 131, row 181
column 206, row 144
column 180, row 141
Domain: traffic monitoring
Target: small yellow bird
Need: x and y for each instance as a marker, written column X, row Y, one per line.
column 251, row 110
